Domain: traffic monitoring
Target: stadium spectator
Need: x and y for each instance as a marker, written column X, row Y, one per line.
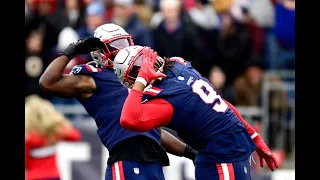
column 262, row 12
column 256, row 33
column 222, row 6
column 233, row 48
column 125, row 15
column 144, row 12
column 247, row 86
column 44, row 128
column 176, row 35
column 74, row 11
column 108, row 13
column 218, row 78
column 42, row 29
column 44, row 19
column 284, row 31
column 207, row 24
column 94, row 17
column 35, row 63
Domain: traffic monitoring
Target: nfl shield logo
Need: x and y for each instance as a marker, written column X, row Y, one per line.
column 76, row 70
column 136, row 170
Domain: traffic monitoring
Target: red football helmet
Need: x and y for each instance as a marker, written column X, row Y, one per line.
column 114, row 38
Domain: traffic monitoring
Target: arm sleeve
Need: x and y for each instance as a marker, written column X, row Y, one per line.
column 144, row 117
column 250, row 129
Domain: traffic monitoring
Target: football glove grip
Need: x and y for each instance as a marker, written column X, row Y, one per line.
column 147, row 72
column 264, row 152
column 82, row 46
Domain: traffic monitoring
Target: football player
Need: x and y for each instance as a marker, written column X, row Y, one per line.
column 97, row 88
column 178, row 97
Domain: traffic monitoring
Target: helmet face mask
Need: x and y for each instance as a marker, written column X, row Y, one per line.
column 99, row 57
column 114, row 38
column 128, row 62
column 132, row 71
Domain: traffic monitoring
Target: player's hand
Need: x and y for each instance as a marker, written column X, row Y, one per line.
column 147, row 71
column 82, row 46
column 264, row 152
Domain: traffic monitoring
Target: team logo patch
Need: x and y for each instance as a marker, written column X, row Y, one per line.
column 136, row 170
column 181, row 78
column 76, row 69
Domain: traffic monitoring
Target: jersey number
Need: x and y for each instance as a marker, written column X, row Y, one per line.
column 210, row 97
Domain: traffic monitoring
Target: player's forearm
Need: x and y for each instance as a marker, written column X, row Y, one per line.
column 138, row 86
column 250, row 129
column 130, row 117
column 176, row 147
column 54, row 72
column 172, row 144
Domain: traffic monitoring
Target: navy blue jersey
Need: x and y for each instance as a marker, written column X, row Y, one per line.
column 105, row 106
column 201, row 118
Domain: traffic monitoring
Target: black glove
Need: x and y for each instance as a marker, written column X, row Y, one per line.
column 190, row 153
column 82, row 46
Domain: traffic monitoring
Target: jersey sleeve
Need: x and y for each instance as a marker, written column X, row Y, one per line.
column 85, row 69
column 144, row 117
column 252, row 132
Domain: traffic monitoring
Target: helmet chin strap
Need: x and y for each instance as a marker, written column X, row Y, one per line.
column 160, row 70
column 92, row 62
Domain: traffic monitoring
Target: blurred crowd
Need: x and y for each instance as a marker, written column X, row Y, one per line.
column 231, row 42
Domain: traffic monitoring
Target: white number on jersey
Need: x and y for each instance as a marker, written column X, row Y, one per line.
column 210, row 97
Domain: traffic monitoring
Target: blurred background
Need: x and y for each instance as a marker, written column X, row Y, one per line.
column 246, row 48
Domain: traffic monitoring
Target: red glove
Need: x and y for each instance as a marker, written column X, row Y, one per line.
column 264, row 152
column 147, row 72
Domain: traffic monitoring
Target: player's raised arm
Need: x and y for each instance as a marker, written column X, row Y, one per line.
column 154, row 113
column 68, row 86
column 176, row 147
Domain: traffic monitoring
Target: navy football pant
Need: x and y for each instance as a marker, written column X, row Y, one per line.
column 224, row 171
column 124, row 170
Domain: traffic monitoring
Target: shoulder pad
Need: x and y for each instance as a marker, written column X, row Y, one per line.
column 85, row 69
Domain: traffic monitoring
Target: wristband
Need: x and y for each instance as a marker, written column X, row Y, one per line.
column 70, row 52
column 190, row 153
column 141, row 80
